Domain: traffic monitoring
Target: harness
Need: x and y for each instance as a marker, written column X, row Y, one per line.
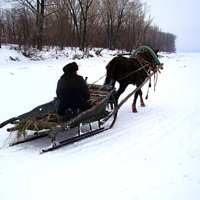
column 143, row 64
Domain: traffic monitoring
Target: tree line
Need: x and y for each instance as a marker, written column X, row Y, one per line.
column 113, row 24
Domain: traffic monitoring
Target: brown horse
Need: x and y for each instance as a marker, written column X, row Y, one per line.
column 130, row 71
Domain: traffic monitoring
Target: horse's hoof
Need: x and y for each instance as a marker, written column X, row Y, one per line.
column 134, row 111
column 143, row 105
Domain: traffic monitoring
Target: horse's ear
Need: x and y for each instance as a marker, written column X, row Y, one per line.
column 157, row 50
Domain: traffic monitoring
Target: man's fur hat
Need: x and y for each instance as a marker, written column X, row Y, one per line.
column 70, row 68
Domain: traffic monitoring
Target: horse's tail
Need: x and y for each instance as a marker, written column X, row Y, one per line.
column 110, row 72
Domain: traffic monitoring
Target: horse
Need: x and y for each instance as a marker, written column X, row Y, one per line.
column 132, row 70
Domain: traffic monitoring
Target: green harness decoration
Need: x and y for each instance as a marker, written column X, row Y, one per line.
column 150, row 50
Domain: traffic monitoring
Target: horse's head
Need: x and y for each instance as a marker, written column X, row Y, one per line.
column 148, row 56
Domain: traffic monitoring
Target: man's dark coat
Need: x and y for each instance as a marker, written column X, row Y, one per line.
column 73, row 93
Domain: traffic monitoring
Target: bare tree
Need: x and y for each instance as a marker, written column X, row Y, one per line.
column 38, row 9
column 60, row 28
column 130, row 26
column 146, row 23
column 84, row 14
column 115, row 12
column 11, row 19
column 122, row 24
column 1, row 27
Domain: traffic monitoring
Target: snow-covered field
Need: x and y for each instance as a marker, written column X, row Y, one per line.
column 150, row 155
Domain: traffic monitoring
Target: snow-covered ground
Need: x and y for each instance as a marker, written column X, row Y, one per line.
column 150, row 155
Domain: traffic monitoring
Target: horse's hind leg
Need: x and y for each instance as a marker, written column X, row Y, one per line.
column 121, row 89
column 139, row 92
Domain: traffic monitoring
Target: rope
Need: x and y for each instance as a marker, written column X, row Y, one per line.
column 96, row 81
column 98, row 88
column 141, row 61
column 155, row 79
column 155, row 82
column 133, row 72
column 148, row 88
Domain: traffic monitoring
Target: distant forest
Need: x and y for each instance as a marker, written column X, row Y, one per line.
column 113, row 24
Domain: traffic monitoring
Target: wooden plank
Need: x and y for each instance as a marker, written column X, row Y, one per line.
column 93, row 91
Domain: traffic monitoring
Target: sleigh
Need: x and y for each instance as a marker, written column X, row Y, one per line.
column 44, row 121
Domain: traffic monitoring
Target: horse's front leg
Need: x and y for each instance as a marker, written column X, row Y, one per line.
column 134, row 102
column 139, row 92
column 141, row 99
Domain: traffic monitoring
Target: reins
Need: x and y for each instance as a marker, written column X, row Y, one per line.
column 96, row 81
column 98, row 88
column 140, row 60
column 136, row 57
column 155, row 82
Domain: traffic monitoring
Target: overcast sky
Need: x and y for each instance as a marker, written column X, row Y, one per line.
column 179, row 17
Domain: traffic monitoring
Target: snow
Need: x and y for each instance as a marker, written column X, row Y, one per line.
column 150, row 155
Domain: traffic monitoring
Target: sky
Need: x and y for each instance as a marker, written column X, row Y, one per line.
column 181, row 18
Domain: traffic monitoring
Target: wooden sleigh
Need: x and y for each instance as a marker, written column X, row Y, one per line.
column 44, row 121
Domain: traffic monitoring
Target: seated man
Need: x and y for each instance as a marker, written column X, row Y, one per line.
column 72, row 91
